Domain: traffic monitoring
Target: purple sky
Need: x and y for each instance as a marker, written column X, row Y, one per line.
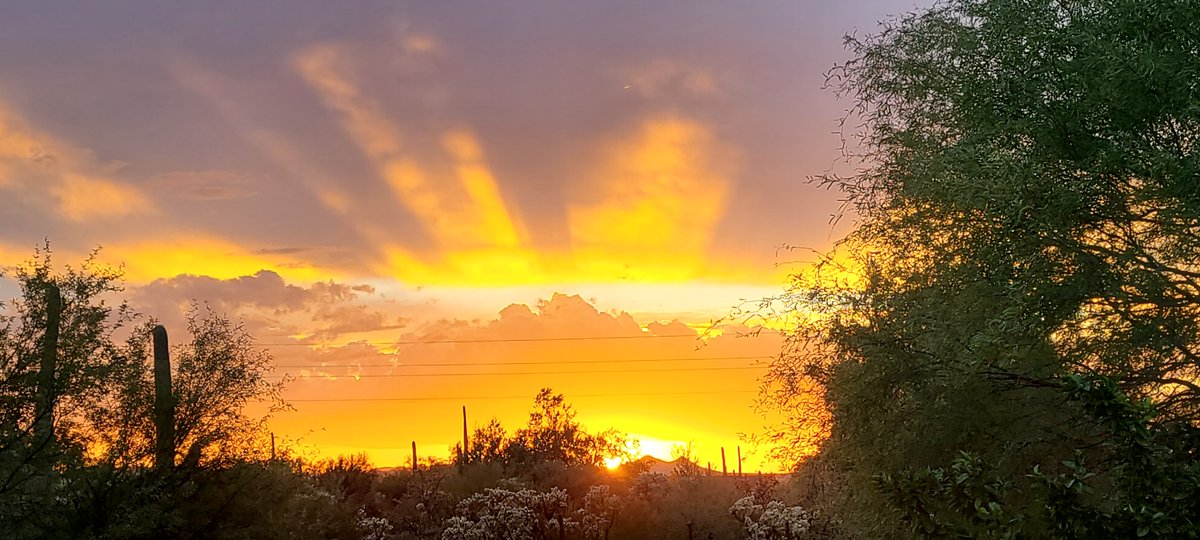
column 201, row 109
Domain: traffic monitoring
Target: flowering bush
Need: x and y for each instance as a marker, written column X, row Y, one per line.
column 599, row 509
column 771, row 521
column 505, row 514
column 373, row 528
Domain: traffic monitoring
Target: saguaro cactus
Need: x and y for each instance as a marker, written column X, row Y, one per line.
column 43, row 429
column 164, row 402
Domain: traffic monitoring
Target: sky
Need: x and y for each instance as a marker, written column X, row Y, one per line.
column 527, row 194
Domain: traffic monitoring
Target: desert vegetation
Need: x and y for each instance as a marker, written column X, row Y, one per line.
column 1007, row 344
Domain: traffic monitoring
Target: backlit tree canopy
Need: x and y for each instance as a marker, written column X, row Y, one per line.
column 1030, row 210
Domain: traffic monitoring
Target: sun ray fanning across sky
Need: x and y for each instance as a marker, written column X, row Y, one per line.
column 427, row 211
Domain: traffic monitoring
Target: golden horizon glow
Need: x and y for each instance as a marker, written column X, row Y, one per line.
column 398, row 189
column 202, row 255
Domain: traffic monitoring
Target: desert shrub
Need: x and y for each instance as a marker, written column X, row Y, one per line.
column 516, row 515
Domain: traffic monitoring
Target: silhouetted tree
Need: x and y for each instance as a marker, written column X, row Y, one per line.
column 1030, row 211
column 488, row 444
column 91, row 477
column 551, row 435
column 79, row 381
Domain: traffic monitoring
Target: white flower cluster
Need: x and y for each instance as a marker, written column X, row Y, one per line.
column 772, row 521
column 373, row 528
column 504, row 514
column 313, row 493
column 600, row 507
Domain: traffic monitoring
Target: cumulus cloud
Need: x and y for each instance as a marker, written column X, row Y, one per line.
column 269, row 305
column 263, row 289
column 342, row 320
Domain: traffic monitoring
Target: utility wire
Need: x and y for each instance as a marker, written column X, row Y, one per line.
column 525, row 363
column 469, row 374
column 492, row 340
column 469, row 398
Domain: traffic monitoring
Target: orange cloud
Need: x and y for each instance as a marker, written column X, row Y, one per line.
column 15, row 142
column 82, row 198
column 71, row 176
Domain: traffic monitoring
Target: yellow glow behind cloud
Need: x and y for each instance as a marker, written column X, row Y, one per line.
column 658, row 195
column 663, row 191
column 203, row 255
column 481, row 187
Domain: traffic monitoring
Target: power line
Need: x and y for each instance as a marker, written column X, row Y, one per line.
column 470, row 398
column 527, row 363
column 489, row 340
column 574, row 372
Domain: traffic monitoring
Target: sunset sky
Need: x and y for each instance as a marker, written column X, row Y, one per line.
column 516, row 194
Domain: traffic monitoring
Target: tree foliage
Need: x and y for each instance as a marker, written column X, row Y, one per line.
column 215, row 374
column 1029, row 205
column 552, row 435
column 89, row 475
column 87, row 356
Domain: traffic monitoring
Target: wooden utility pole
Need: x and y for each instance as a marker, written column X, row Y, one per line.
column 414, row 445
column 463, row 457
column 164, row 403
column 739, row 450
column 272, row 446
column 724, row 470
column 43, row 424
